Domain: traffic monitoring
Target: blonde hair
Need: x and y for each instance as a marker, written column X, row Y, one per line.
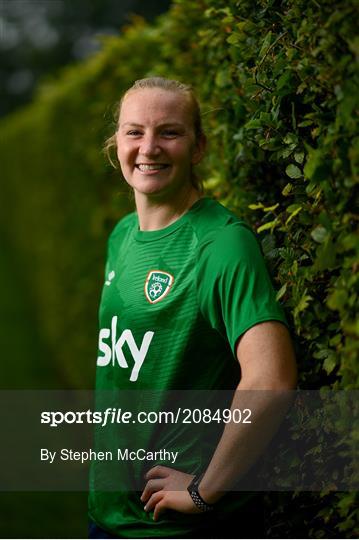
column 164, row 84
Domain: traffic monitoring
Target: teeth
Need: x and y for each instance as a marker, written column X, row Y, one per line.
column 156, row 167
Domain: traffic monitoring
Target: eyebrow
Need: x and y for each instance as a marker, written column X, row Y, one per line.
column 167, row 124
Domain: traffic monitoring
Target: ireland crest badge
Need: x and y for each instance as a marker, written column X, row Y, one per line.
column 157, row 285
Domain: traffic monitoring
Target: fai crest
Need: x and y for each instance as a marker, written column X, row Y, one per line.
column 158, row 284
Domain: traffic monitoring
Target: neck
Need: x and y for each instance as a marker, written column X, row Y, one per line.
column 155, row 214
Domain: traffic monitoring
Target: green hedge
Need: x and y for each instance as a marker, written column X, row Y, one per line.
column 278, row 81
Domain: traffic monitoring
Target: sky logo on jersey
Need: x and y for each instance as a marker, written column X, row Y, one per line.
column 157, row 285
column 112, row 351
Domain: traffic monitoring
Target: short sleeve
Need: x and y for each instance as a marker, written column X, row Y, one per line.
column 235, row 291
column 118, row 235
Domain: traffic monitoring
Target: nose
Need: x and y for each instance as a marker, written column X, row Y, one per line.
column 150, row 145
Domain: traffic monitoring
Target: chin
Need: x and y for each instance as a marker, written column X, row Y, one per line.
column 153, row 192
column 150, row 187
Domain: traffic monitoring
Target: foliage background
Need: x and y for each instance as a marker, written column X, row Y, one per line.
column 278, row 81
column 37, row 37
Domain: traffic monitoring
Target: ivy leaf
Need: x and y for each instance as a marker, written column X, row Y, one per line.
column 303, row 303
column 266, row 44
column 287, row 189
column 268, row 245
column 334, row 341
column 234, row 38
column 284, row 81
column 291, row 138
column 255, row 123
column 329, row 363
column 293, row 171
column 269, row 225
column 286, row 151
column 325, row 256
column 316, row 167
column 281, row 292
column 337, row 300
column 255, row 206
column 319, row 234
column 271, row 208
column 293, row 209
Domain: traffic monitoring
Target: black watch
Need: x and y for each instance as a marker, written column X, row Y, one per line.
column 196, row 497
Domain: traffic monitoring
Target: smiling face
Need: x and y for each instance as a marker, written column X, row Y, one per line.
column 156, row 143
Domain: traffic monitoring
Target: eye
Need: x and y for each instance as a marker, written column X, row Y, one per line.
column 133, row 133
column 169, row 133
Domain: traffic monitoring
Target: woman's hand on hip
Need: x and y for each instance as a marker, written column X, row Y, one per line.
column 166, row 488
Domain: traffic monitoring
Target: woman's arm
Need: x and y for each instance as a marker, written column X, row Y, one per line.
column 268, row 367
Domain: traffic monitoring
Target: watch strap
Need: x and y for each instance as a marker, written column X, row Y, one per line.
column 196, row 497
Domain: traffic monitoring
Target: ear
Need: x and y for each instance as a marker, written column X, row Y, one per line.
column 199, row 149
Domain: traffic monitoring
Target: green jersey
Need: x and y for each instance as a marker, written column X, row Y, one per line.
column 174, row 304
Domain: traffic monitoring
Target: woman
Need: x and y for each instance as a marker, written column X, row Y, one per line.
column 187, row 304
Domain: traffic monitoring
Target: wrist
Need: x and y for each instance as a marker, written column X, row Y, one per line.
column 208, row 495
column 196, row 497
